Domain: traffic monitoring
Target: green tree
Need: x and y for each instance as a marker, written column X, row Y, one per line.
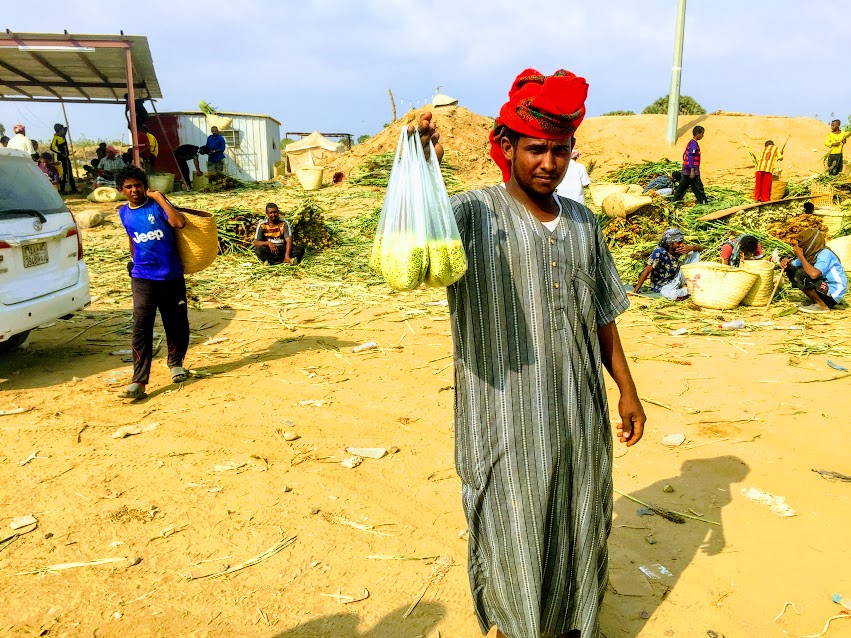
column 619, row 113
column 2, row 129
column 362, row 138
column 688, row 106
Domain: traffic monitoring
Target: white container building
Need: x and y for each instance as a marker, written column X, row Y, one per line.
column 253, row 142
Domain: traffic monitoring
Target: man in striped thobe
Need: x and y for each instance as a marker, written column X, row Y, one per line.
column 533, row 323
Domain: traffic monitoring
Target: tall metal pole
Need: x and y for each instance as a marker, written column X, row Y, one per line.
column 131, row 102
column 676, row 74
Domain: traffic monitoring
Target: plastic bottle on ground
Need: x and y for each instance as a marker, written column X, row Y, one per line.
column 842, row 600
column 369, row 345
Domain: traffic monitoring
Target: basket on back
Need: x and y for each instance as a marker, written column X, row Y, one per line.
column 760, row 292
column 713, row 285
column 198, row 241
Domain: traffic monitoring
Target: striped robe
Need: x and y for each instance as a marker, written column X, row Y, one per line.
column 533, row 441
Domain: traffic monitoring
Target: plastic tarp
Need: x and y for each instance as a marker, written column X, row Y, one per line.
column 313, row 150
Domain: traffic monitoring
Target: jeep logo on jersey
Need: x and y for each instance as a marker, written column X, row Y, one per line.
column 152, row 219
column 151, row 235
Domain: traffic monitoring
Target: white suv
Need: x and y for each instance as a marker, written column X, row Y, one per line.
column 42, row 274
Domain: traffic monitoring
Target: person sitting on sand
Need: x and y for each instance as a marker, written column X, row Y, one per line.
column 817, row 271
column 733, row 251
column 663, row 266
column 664, row 184
column 108, row 167
column 273, row 241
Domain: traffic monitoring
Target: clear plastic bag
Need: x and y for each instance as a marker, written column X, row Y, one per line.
column 399, row 252
column 417, row 240
column 447, row 261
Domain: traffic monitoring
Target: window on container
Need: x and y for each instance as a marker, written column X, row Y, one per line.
column 231, row 138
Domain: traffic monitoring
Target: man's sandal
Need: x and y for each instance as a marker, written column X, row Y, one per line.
column 132, row 391
column 179, row 374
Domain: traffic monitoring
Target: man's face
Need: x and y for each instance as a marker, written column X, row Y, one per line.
column 134, row 191
column 214, row 131
column 273, row 215
column 538, row 165
column 699, row 136
column 834, row 126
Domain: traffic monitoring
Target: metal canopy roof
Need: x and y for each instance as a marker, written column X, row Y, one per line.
column 63, row 67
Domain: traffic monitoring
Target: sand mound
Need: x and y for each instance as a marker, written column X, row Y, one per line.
column 614, row 141
column 463, row 133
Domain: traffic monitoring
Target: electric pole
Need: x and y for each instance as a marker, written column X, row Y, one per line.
column 676, row 74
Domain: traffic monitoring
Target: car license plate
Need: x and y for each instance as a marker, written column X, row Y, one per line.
column 35, row 255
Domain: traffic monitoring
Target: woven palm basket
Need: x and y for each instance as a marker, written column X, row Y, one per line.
column 198, row 241
column 623, row 204
column 105, row 194
column 825, row 195
column 760, row 292
column 713, row 285
column 841, row 247
column 834, row 219
column 599, row 191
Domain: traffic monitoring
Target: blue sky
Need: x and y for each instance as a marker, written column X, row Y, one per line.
column 327, row 65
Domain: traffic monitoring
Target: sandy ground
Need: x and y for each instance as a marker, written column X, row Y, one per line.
column 216, row 483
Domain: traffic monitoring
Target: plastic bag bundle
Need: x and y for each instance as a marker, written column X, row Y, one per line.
column 417, row 239
column 399, row 252
column 447, row 261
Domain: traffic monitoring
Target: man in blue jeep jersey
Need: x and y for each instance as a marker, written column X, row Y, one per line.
column 157, row 277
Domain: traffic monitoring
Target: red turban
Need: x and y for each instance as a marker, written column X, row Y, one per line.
column 544, row 107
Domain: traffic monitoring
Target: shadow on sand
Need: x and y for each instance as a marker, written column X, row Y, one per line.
column 703, row 485
column 421, row 622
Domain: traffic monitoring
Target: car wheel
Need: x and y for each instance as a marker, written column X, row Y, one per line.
column 12, row 343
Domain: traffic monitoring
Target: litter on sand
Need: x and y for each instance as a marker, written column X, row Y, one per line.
column 836, row 366
column 440, row 568
column 368, row 452
column 32, row 457
column 131, row 430
column 13, row 411
column 833, row 476
column 777, row 504
column 844, row 615
column 274, row 549
column 62, row 566
column 345, row 598
column 352, row 462
column 673, row 440
column 655, row 571
column 23, row 521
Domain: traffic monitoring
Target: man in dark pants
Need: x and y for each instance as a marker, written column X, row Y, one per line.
column 691, row 169
column 183, row 154
column 273, row 241
column 157, row 278
column 59, row 146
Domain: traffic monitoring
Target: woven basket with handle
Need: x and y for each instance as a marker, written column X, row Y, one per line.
column 198, row 241
column 841, row 247
column 713, row 285
column 760, row 292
